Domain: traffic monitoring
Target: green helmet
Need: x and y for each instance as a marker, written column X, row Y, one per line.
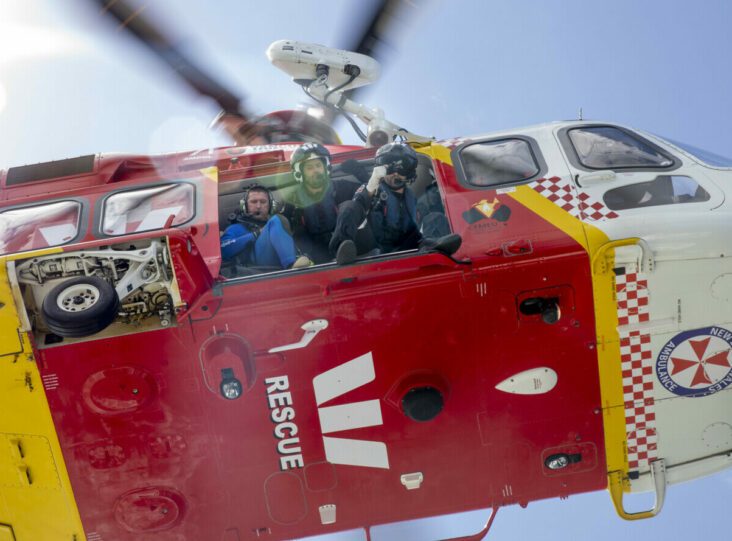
column 308, row 151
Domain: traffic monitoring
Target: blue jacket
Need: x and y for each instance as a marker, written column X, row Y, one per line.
column 238, row 238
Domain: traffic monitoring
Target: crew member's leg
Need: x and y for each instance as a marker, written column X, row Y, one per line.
column 350, row 216
column 314, row 246
column 274, row 247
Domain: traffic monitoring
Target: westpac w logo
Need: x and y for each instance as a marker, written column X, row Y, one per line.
column 337, row 382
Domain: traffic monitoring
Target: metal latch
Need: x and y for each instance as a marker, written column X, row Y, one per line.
column 327, row 513
column 412, row 480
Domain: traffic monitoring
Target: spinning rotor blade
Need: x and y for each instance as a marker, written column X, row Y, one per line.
column 378, row 28
column 132, row 20
column 382, row 19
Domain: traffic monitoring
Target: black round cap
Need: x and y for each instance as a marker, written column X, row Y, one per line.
column 422, row 403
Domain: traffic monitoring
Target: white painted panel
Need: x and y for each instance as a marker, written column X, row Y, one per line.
column 156, row 218
column 367, row 454
column 533, row 381
column 58, row 234
column 344, row 378
column 350, row 416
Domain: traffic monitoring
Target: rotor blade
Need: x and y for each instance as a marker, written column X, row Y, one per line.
column 146, row 32
column 378, row 27
column 381, row 18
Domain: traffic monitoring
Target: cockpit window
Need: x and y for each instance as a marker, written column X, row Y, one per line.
column 608, row 147
column 704, row 156
column 144, row 210
column 663, row 190
column 41, row 226
column 498, row 162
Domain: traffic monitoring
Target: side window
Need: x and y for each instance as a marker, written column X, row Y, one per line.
column 144, row 210
column 498, row 162
column 31, row 228
column 608, row 147
column 663, row 190
column 707, row 158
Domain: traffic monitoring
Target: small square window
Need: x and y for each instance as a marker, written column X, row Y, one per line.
column 663, row 190
column 607, row 147
column 498, row 162
column 145, row 210
column 41, row 226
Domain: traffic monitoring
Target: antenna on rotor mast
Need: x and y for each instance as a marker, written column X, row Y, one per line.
column 325, row 74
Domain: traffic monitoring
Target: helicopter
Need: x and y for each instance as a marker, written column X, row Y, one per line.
column 543, row 308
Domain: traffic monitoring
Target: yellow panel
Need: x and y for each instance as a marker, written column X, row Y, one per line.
column 36, row 495
column 212, row 173
column 9, row 321
column 28, row 462
column 611, row 377
column 438, row 152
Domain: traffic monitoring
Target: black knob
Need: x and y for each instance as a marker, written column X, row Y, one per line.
column 422, row 403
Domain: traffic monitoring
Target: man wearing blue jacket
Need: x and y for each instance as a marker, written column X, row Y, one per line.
column 259, row 238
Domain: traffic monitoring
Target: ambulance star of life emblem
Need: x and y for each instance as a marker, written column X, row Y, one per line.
column 697, row 363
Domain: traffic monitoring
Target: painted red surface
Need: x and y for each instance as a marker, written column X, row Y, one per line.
column 155, row 452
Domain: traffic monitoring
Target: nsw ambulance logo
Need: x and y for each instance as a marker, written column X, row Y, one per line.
column 697, row 362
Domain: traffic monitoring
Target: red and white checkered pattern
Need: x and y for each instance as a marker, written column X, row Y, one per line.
column 631, row 291
column 594, row 210
column 559, row 191
column 454, row 142
column 636, row 359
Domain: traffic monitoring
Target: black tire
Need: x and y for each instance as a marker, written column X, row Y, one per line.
column 80, row 307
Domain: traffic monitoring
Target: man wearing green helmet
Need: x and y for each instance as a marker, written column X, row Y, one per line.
column 314, row 205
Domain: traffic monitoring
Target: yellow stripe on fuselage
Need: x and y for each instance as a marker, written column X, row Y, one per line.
column 438, row 152
column 36, row 499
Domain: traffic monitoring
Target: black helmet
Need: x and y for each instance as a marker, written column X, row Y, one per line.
column 398, row 158
column 308, row 151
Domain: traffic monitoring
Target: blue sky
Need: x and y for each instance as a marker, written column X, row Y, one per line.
column 69, row 86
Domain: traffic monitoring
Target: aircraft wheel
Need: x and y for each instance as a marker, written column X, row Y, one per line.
column 80, row 306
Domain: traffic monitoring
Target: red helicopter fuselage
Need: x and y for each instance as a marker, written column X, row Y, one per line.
column 403, row 386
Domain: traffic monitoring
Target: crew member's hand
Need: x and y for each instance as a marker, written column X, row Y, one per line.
column 377, row 175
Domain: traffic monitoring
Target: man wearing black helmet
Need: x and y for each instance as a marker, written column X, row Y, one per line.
column 387, row 202
column 259, row 238
column 313, row 209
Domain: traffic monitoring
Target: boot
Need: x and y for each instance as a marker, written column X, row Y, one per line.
column 346, row 252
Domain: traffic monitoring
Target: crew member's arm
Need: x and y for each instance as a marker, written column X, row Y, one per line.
column 365, row 193
column 235, row 240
